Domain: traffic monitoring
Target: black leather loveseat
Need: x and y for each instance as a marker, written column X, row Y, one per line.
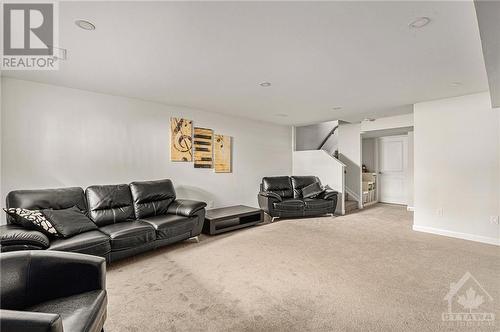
column 52, row 291
column 130, row 219
column 282, row 196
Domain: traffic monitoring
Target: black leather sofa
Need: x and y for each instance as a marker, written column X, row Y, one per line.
column 281, row 196
column 52, row 291
column 131, row 218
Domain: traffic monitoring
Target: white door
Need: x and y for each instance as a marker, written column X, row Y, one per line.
column 392, row 166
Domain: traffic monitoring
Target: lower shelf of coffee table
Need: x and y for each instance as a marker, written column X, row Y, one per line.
column 231, row 218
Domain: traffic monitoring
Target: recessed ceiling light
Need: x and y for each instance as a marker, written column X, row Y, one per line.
column 265, row 84
column 419, row 22
column 336, row 108
column 455, row 84
column 85, row 25
column 281, row 115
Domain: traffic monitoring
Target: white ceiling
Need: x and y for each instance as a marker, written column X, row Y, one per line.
column 212, row 55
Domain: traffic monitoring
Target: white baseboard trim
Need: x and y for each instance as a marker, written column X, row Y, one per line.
column 458, row 235
column 410, row 208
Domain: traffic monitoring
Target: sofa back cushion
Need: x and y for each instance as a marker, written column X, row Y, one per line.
column 109, row 204
column 300, row 182
column 40, row 199
column 152, row 198
column 280, row 185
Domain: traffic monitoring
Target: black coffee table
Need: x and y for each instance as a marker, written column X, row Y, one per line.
column 231, row 218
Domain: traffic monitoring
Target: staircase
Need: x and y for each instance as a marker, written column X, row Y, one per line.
column 322, row 160
column 350, row 204
column 330, row 145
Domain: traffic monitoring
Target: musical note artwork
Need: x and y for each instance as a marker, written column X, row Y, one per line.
column 181, row 141
column 203, row 147
column 222, row 152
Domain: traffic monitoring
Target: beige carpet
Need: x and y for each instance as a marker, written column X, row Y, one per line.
column 367, row 271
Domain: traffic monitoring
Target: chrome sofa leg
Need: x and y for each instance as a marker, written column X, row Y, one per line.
column 194, row 238
column 273, row 218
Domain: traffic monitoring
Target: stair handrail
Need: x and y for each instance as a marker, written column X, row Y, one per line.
column 328, row 137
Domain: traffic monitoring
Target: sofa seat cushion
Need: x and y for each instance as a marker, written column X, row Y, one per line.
column 290, row 204
column 171, row 225
column 318, row 204
column 91, row 243
column 81, row 312
column 129, row 234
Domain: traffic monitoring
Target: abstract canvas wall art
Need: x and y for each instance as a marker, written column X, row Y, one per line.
column 181, row 147
column 203, row 151
column 222, row 153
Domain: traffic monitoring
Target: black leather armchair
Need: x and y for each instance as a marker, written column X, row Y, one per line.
column 52, row 291
column 281, row 196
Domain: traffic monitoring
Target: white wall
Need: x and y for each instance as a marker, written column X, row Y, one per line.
column 310, row 137
column 57, row 137
column 397, row 121
column 350, row 155
column 457, row 163
column 368, row 153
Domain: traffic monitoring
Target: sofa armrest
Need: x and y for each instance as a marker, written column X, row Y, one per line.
column 328, row 194
column 185, row 207
column 15, row 321
column 14, row 237
column 35, row 276
column 266, row 201
column 271, row 194
column 55, row 274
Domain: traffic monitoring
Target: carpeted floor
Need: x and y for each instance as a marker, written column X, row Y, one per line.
column 367, row 271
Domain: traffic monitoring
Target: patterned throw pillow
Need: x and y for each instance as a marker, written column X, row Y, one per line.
column 33, row 219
